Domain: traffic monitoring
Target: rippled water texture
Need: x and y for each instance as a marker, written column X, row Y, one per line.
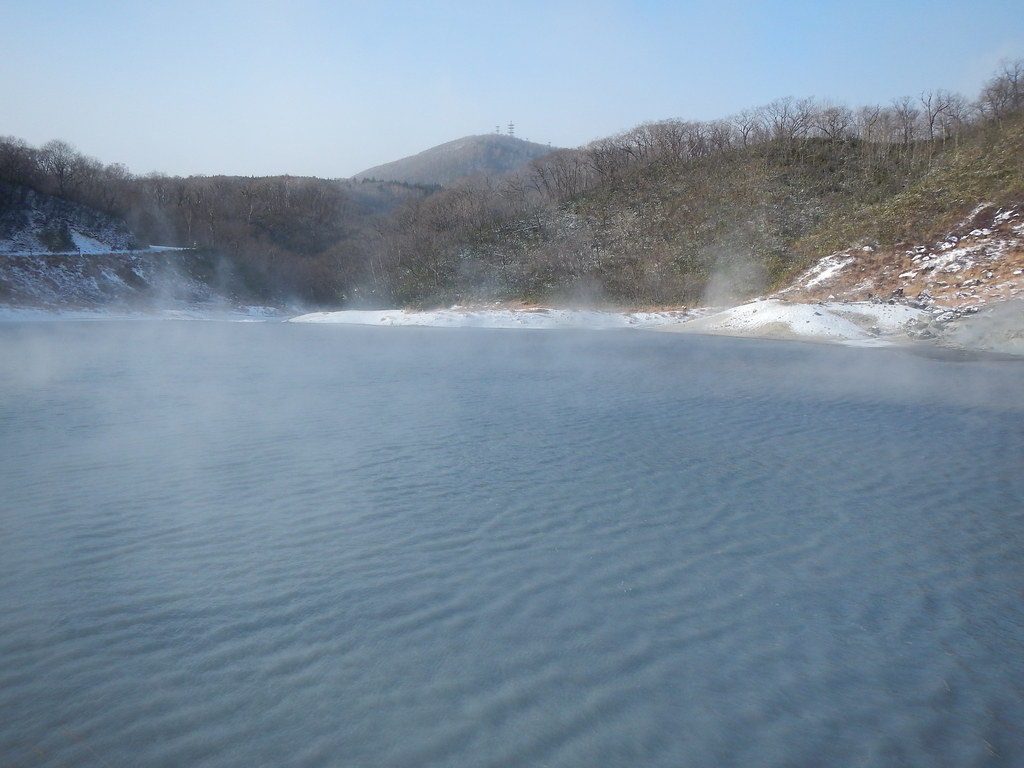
column 277, row 545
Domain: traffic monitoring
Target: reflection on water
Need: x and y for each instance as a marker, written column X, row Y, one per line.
column 263, row 544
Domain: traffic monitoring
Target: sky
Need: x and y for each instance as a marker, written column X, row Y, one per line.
column 329, row 88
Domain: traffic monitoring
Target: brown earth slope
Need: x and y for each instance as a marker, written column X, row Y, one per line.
column 979, row 261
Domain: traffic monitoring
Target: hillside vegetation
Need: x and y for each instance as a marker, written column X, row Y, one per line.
column 688, row 213
column 669, row 213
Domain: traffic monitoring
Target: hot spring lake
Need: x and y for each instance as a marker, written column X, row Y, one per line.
column 267, row 544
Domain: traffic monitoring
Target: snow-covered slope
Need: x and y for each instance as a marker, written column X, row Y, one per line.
column 134, row 278
column 33, row 223
column 57, row 254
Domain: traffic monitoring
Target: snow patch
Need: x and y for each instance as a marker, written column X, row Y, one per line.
column 86, row 244
column 462, row 317
column 859, row 323
column 823, row 270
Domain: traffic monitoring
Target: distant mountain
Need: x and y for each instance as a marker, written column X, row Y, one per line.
column 491, row 154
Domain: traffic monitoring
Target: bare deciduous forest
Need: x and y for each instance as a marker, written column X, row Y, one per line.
column 671, row 212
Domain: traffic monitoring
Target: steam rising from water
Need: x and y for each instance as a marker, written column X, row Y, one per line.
column 235, row 544
column 736, row 274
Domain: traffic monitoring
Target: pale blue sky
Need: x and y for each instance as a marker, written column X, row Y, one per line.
column 328, row 88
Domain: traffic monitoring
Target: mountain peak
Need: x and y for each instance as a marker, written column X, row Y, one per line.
column 491, row 154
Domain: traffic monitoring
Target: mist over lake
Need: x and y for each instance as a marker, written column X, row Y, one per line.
column 239, row 544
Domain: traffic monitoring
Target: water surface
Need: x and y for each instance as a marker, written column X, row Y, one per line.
column 269, row 544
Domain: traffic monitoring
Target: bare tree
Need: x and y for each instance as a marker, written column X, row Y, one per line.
column 834, row 123
column 788, row 118
column 720, row 135
column 907, row 120
column 562, row 174
column 18, row 161
column 669, row 140
column 750, row 125
column 60, row 161
column 606, row 157
column 868, row 121
column 1004, row 93
column 697, row 137
column 957, row 115
column 941, row 111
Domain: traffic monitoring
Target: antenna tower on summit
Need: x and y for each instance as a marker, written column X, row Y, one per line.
column 511, row 128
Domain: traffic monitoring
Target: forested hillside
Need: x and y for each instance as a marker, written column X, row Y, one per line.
column 689, row 212
column 672, row 212
column 282, row 238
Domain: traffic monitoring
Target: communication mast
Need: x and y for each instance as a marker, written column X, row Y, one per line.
column 511, row 128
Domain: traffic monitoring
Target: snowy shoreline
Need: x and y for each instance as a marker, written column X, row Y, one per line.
column 844, row 323
column 998, row 327
column 497, row 317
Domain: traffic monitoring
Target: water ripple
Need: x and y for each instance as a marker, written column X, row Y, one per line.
column 276, row 545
